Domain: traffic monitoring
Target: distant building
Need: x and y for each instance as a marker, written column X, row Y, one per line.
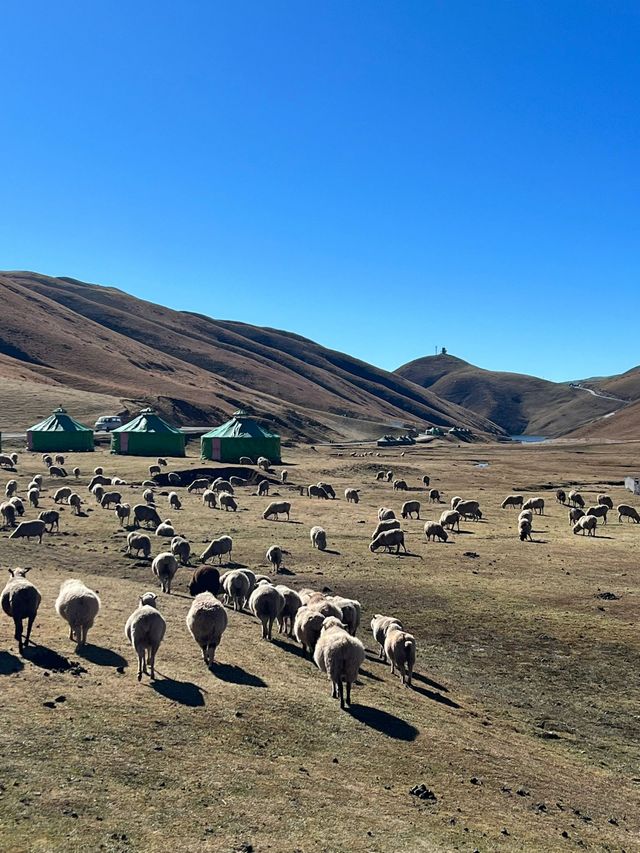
column 633, row 484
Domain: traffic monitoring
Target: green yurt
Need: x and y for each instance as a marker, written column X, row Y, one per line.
column 147, row 435
column 241, row 436
column 59, row 433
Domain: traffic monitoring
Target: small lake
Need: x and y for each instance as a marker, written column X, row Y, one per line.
column 528, row 439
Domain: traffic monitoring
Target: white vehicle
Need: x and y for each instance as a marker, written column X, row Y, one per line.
column 107, row 423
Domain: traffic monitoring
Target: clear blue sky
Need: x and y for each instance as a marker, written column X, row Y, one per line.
column 379, row 176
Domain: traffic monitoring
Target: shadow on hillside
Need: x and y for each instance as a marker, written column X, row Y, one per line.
column 9, row 663
column 426, row 680
column 285, row 571
column 435, row 697
column 236, row 675
column 382, row 721
column 183, row 692
column 290, row 647
column 47, row 658
column 371, row 675
column 101, row 656
column 331, row 551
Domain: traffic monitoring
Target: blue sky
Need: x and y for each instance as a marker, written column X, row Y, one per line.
column 382, row 177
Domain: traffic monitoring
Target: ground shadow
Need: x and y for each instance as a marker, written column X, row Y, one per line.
column 101, row 656
column 382, row 721
column 283, row 570
column 9, row 663
column 435, row 697
column 47, row 658
column 331, row 551
column 416, row 676
column 465, row 532
column 371, row 675
column 183, row 692
column 236, row 675
column 290, row 647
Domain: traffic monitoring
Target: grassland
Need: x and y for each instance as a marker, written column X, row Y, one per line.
column 524, row 718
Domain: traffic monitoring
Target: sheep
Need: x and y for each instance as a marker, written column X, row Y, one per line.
column 318, row 538
column 164, row 568
column 576, row 499
column 181, row 549
column 389, row 476
column 17, row 504
column 14, row 458
column 33, row 496
column 605, row 500
column 400, row 651
column 350, row 610
column 575, row 514
column 210, row 499
column 205, row 579
column 207, row 621
column 246, row 460
column 20, row 600
column 98, row 480
column 98, row 492
column 139, row 542
column 450, row 518
column 59, row 459
column 283, row 475
column 328, row 489
column 76, row 473
column 173, row 479
column 400, row 486
column 307, row 626
column 109, row 498
column 263, row 488
column 123, row 513
column 162, row 462
column 57, row 471
column 318, row 601
column 426, row 480
column 588, row 523
column 352, row 495
column 97, row 472
column 385, row 514
column 37, row 480
column 469, row 509
column 263, row 463
column 434, row 496
column 217, row 548
column 237, row 481
column 629, row 512
column 199, row 485
column 524, row 530
column 536, row 504
column 561, row 496
column 317, row 492
column 174, row 501
column 154, row 470
column 514, row 501
column 339, row 655
column 286, row 617
column 147, row 515
column 227, row 502
column 599, row 511
column 11, row 488
column 433, row 530
column 387, row 540
column 266, row 603
column 382, row 526
column 8, row 512
column 274, row 556
column 379, row 626
column 236, row 586
column 455, row 501
column 380, row 475
column 165, row 529
column 29, row 529
column 526, row 514
column 145, row 630
column 409, row 507
column 47, row 459
column 277, row 508
column 221, row 485
column 78, row 605
column 149, row 496
column 6, row 461
column 51, row 518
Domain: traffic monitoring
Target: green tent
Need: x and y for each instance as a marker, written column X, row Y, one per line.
column 147, row 435
column 58, row 433
column 241, row 436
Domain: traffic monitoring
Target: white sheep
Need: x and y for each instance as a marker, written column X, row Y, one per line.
column 434, row 496
column 351, row 611
column 266, row 603
column 181, row 549
column 20, row 600
column 536, row 504
column 605, row 500
column 400, row 486
column 352, row 495
column 236, row 586
column 307, row 626
column 379, row 626
column 433, row 530
column 524, row 529
column 149, row 496
column 283, row 475
column 400, row 650
column 74, row 500
column 588, row 524
column 450, row 518
column 318, row 538
column 391, row 524
column 274, row 556
column 109, row 498
column 174, row 501
column 17, row 505
column 317, row 492
column 512, row 501
column 61, row 494
column 165, row 529
column 198, row 485
column 628, row 512
column 277, row 508
column 8, row 512
column 145, row 630
column 600, row 511
column 217, row 548
column 210, row 498
column 227, row 502
column 292, row 603
column 207, row 621
column 123, row 512
column 51, row 519
column 29, row 529
column 469, row 509
column 385, row 514
column 339, row 655
column 164, row 568
column 387, row 540
column 409, row 507
column 139, row 542
column 78, row 605
column 11, row 488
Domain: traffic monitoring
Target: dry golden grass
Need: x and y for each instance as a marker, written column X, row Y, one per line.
column 526, row 681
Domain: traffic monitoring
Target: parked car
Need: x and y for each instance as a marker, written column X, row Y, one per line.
column 107, row 423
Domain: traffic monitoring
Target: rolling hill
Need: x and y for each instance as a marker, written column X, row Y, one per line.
column 109, row 349
column 520, row 404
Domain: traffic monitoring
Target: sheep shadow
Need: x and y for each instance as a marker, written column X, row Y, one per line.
column 371, row 675
column 417, row 676
column 285, row 571
column 435, row 697
column 331, row 551
column 46, row 658
column 9, row 663
column 290, row 647
column 101, row 656
column 236, row 675
column 383, row 722
column 183, row 692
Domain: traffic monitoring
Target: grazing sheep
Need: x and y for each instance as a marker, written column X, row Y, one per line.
column 109, row 498
column 352, row 495
column 17, row 504
column 98, row 480
column 455, row 501
column 20, row 600
column 307, row 626
column 561, row 496
column 173, row 479
column 237, row 481
column 205, row 579
column 123, row 513
column 59, row 459
column 246, row 460
column 98, row 471
column 162, row 462
column 227, row 502
column 339, row 655
column 382, row 526
column 11, row 488
column 221, row 485
column 174, row 501
column 328, row 489
column 29, row 529
column 6, row 461
column 409, row 507
column 387, row 540
column 318, row 538
column 145, row 629
column 379, row 626
column 266, row 603
column 524, row 530
column 400, row 650
column 181, row 549
column 165, row 529
column 389, row 476
column 274, row 556
column 283, row 475
column 61, row 494
column 154, row 470
column 600, row 511
column 51, row 518
column 629, row 512
column 164, row 568
column 434, row 496
column 512, row 500
column 78, row 605
column 575, row 514
column 318, row 601
column 317, row 492
column 207, row 621
column 37, row 479
column 149, row 496
column 292, row 603
column 536, row 504
column 400, row 486
column 210, row 499
column 236, row 586
column 98, row 492
column 147, row 515
column 199, row 485
column 380, row 475
column 605, row 500
column 139, row 542
column 576, row 499
column 263, row 488
column 526, row 514
column 277, row 508
column 33, row 496
column 385, row 514
column 217, row 548
column 350, row 611
column 76, row 472
column 8, row 512
column 469, row 509
column 56, row 471
column 433, row 530
column 450, row 518
column 587, row 523
column 263, row 463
